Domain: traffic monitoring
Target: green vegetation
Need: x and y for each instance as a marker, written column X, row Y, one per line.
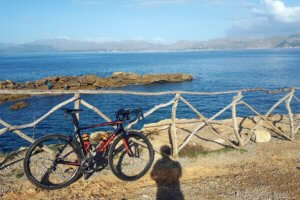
column 18, row 173
column 193, row 151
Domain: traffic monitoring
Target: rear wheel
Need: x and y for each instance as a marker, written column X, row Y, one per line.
column 130, row 157
column 53, row 162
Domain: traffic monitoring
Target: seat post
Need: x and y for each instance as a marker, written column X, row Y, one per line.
column 75, row 121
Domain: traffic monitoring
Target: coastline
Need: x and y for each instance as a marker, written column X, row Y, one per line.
column 90, row 82
column 146, row 51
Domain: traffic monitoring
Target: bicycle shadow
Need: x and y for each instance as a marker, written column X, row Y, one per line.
column 12, row 159
column 166, row 173
column 99, row 163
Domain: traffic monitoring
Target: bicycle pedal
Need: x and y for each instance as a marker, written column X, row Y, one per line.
column 87, row 175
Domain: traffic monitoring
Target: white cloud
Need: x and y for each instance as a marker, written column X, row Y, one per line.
column 281, row 12
column 258, row 11
column 271, row 17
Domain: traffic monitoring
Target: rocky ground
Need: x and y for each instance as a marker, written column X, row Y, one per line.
column 263, row 171
column 159, row 132
column 118, row 79
column 269, row 170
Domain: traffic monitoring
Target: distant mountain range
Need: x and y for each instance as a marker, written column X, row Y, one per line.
column 53, row 45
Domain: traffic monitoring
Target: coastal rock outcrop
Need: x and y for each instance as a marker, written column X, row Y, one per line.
column 18, row 105
column 12, row 97
column 90, row 81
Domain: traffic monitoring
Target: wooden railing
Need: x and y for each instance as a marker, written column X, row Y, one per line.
column 237, row 100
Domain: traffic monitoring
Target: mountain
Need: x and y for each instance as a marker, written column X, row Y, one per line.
column 8, row 47
column 292, row 41
column 73, row 45
column 230, row 43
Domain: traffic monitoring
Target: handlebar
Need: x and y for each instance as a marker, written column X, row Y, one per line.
column 124, row 114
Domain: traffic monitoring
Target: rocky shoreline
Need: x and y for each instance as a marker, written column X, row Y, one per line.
column 207, row 140
column 89, row 82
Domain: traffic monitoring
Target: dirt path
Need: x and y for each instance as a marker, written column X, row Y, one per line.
column 264, row 171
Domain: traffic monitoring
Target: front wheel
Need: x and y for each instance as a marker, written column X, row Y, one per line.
column 131, row 156
column 53, row 162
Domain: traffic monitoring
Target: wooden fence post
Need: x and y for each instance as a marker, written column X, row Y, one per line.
column 173, row 127
column 290, row 114
column 77, row 103
column 234, row 119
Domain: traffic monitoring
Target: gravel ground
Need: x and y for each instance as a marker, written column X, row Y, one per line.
column 263, row 171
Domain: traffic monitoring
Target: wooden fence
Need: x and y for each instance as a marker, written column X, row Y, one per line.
column 237, row 100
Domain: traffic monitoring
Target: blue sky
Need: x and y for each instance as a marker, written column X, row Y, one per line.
column 151, row 20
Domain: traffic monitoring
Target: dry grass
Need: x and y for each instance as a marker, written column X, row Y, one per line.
column 195, row 150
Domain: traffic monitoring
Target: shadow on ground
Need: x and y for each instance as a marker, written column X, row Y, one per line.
column 166, row 173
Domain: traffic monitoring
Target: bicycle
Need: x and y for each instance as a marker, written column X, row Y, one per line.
column 56, row 161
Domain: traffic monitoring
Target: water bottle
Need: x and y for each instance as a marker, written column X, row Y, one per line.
column 86, row 142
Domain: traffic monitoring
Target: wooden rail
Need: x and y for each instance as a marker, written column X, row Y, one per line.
column 237, row 100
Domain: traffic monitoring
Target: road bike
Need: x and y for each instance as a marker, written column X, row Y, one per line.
column 55, row 161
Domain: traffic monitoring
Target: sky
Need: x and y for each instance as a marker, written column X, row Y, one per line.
column 160, row 21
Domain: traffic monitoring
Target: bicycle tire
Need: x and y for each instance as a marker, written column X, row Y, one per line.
column 118, row 154
column 38, row 160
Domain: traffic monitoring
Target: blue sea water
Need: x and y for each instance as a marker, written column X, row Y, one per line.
column 217, row 70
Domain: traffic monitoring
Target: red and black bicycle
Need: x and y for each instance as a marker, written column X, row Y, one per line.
column 56, row 161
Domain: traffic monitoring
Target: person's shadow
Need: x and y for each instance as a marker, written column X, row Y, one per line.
column 166, row 173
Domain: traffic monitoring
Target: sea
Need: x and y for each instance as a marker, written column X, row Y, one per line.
column 212, row 70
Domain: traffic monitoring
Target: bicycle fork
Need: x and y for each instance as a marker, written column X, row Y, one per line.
column 129, row 149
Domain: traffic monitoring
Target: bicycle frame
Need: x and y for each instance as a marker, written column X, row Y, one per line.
column 101, row 146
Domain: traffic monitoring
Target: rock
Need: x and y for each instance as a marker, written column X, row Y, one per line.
column 3, row 97
column 97, row 136
column 18, row 105
column 89, row 82
column 100, row 83
column 22, row 149
column 12, row 97
column 125, row 74
column 74, row 83
column 8, row 84
column 162, row 78
column 261, row 135
column 115, row 74
column 88, row 79
column 52, row 79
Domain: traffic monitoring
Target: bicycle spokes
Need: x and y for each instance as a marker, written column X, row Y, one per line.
column 53, row 168
column 131, row 157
